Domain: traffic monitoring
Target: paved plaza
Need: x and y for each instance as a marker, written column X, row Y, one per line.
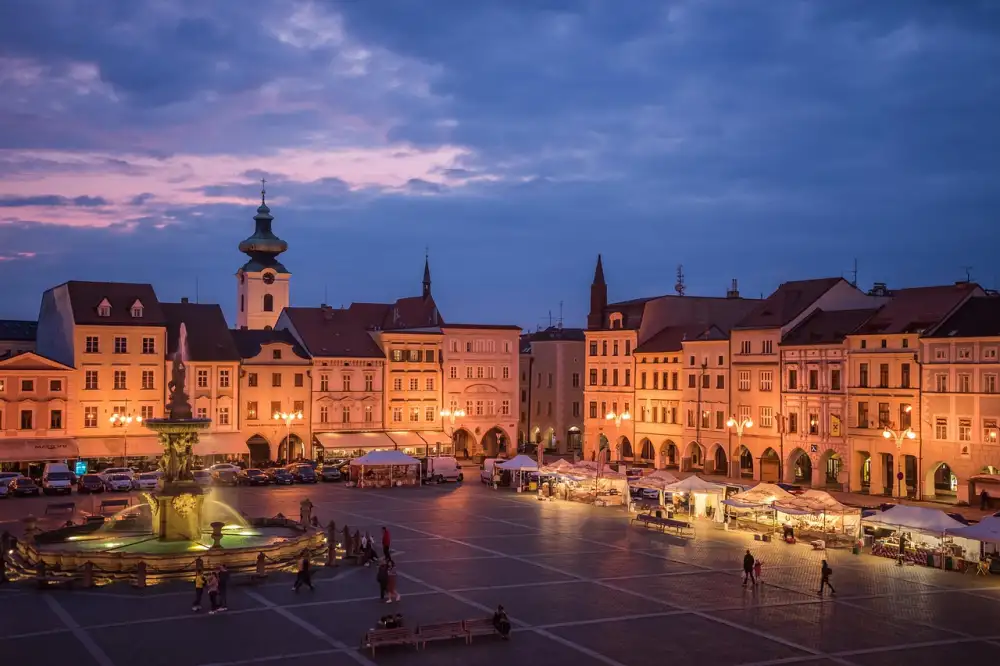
column 581, row 586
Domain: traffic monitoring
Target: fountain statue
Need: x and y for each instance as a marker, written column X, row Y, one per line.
column 179, row 500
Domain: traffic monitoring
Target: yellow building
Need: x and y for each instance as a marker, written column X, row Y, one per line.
column 34, row 419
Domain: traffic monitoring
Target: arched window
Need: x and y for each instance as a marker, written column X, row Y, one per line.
column 268, row 303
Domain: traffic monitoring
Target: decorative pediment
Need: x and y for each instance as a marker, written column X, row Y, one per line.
column 31, row 361
column 136, row 309
column 482, row 388
column 104, row 308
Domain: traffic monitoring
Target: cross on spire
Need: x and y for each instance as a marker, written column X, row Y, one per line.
column 263, row 191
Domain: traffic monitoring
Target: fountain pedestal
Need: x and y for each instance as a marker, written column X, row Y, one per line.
column 178, row 514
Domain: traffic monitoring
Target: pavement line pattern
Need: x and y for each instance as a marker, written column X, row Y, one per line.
column 81, row 635
column 310, row 627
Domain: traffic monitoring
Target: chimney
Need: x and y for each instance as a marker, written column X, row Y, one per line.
column 184, row 299
column 734, row 291
column 879, row 289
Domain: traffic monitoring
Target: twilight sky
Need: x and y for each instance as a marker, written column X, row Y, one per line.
column 516, row 139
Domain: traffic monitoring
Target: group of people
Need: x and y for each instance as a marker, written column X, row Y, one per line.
column 752, row 569
column 391, row 621
column 216, row 583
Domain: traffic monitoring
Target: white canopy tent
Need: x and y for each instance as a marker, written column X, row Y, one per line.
column 520, row 463
column 385, row 469
column 930, row 526
column 816, row 509
column 763, row 495
column 986, row 531
column 705, row 496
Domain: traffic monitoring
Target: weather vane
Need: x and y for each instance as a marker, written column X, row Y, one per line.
column 262, row 191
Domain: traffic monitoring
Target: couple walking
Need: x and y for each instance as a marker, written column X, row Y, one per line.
column 386, row 578
column 751, row 569
column 217, row 584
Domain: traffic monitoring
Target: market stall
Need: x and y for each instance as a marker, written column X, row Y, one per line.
column 520, row 467
column 385, row 469
column 651, row 487
column 703, row 498
column 817, row 514
column 754, row 509
column 584, row 482
column 924, row 534
column 987, row 533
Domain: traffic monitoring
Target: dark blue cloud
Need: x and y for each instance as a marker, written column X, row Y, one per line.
column 759, row 140
column 52, row 200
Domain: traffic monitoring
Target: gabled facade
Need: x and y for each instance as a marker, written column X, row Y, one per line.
column 34, row 402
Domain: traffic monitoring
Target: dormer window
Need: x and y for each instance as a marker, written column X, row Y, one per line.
column 104, row 309
column 615, row 320
column 137, row 310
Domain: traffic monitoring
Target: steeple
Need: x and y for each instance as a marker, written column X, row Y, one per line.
column 263, row 247
column 427, row 276
column 598, row 297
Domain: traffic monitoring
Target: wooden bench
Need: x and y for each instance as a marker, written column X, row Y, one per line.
column 479, row 627
column 116, row 504
column 60, row 507
column 379, row 637
column 441, row 631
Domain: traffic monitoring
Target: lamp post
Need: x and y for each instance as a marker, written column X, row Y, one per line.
column 451, row 415
column 617, row 418
column 899, row 436
column 123, row 421
column 288, row 418
column 740, row 425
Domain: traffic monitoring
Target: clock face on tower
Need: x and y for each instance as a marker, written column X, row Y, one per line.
column 268, row 278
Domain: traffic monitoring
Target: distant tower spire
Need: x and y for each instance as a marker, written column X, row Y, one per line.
column 679, row 287
column 598, row 297
column 263, row 191
column 427, row 274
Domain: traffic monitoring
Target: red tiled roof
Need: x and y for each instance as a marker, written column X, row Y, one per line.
column 671, row 338
column 208, row 337
column 917, row 309
column 787, row 302
column 249, row 342
column 823, row 327
column 333, row 333
column 85, row 297
column 495, row 327
column 977, row 318
column 410, row 312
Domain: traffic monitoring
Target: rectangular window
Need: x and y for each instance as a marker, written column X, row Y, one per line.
column 368, row 413
column 941, row 428
column 414, row 414
column 90, row 417
column 690, row 418
column 941, row 383
column 692, row 381
column 673, row 381
column 862, row 414
column 593, row 348
column 324, row 382
column 706, row 419
column 505, row 408
column 614, row 348
column 593, row 377
column 964, row 354
column 252, row 379
column 479, row 407
column 793, row 379
column 468, row 372
column 593, row 409
column 766, row 347
column 614, row 377
column 883, row 414
column 416, row 355
column 904, row 375
column 720, row 381
column 223, row 378
column 883, row 375
column 628, row 347
column 835, row 379
column 720, row 420
column 813, row 380
column 744, row 412
column 905, row 416
column 252, row 410
column 275, row 354
column 119, row 379
column 27, row 419
column 202, row 381
column 92, row 345
column 429, row 413
column 275, row 407
column 148, row 345
column 55, row 419
column 793, row 422
column 90, row 380
column 628, row 376
column 964, row 430
column 147, row 380
column 989, row 383
column 370, row 382
column 429, row 384
column 397, row 383
column 505, row 372
column 604, row 377
column 964, row 382
column 744, row 380
column 298, row 406
column 345, row 414
column 300, row 379
column 576, row 380
column 27, row 386
column 604, row 347
column 767, row 417
column 324, row 414
column 656, row 381
column 491, row 408
column 745, row 347
column 397, row 354
column 766, row 380
column 814, row 424
column 397, row 414
column 414, row 383
column 223, row 415
column 121, row 345
column 863, row 376
column 990, row 434
column 146, row 411
column 276, row 379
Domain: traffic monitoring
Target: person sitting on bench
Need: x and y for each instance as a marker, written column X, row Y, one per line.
column 501, row 622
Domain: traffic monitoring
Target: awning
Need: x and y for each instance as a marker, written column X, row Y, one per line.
column 435, row 437
column 32, row 450
column 220, row 443
column 407, row 439
column 116, row 447
column 355, row 440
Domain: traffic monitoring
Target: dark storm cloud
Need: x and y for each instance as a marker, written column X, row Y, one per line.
column 52, row 200
column 759, row 140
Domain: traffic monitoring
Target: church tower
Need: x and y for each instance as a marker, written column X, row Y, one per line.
column 427, row 278
column 598, row 297
column 262, row 282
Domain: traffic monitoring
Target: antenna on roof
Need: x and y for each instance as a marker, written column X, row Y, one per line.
column 550, row 318
column 968, row 273
column 679, row 287
column 196, row 294
column 854, row 274
column 560, row 314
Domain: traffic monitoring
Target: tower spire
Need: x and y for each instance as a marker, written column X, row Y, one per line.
column 263, row 191
column 599, row 271
column 598, row 297
column 427, row 274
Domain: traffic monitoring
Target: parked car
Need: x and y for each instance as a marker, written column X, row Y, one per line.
column 486, row 469
column 302, row 473
column 90, row 483
column 252, row 477
column 329, row 473
column 7, row 477
column 127, row 471
column 281, row 476
column 118, row 483
column 147, row 481
column 202, row 477
column 56, row 479
column 22, row 486
column 4, row 491
column 224, row 474
column 440, row 469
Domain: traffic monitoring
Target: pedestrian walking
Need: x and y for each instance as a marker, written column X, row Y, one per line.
column 824, row 578
column 199, row 590
column 391, row 592
column 756, row 569
column 212, row 585
column 382, row 576
column 223, row 575
column 304, row 575
column 748, row 563
column 386, row 542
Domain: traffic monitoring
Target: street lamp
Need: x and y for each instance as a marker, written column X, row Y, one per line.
column 618, row 418
column 740, row 425
column 451, row 415
column 288, row 418
column 123, row 421
column 899, row 436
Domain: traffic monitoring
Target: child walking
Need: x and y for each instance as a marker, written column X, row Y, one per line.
column 824, row 579
column 199, row 590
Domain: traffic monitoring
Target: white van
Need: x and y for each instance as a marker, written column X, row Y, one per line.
column 56, row 479
column 486, row 471
column 442, row 468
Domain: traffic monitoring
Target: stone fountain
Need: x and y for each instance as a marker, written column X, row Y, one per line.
column 177, row 513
